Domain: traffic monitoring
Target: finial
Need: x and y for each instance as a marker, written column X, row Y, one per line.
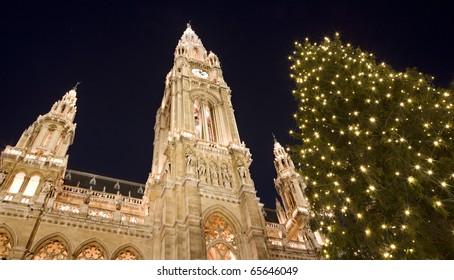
column 274, row 137
column 75, row 87
column 188, row 25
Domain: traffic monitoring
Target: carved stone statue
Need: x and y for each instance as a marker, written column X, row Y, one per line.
column 226, row 177
column 214, row 174
column 242, row 171
column 201, row 169
column 168, row 167
column 48, row 186
column 88, row 196
column 190, row 162
column 118, row 200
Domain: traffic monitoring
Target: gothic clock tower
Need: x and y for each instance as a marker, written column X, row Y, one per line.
column 203, row 203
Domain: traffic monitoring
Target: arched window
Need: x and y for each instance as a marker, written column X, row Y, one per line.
column 204, row 120
column 196, row 53
column 32, row 185
column 127, row 254
column 17, row 182
column 52, row 250
column 91, row 251
column 220, row 238
column 48, row 137
column 5, row 245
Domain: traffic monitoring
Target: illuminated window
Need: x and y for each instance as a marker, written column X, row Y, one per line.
column 52, row 250
column 196, row 53
column 127, row 254
column 221, row 251
column 203, row 120
column 221, row 240
column 5, row 245
column 57, row 147
column 48, row 137
column 91, row 252
column 17, row 182
column 32, row 186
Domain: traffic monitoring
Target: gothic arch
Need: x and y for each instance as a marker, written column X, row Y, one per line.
column 222, row 234
column 32, row 177
column 222, row 250
column 219, row 209
column 8, row 240
column 91, row 249
column 17, row 182
column 206, row 95
column 127, row 252
column 54, row 246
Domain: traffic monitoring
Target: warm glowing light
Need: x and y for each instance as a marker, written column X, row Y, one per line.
column 405, row 125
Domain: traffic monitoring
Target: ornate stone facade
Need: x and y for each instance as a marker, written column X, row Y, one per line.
column 199, row 201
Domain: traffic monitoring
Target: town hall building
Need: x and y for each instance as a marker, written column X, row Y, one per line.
column 199, row 201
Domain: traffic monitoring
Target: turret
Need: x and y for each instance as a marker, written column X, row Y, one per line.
column 52, row 134
column 34, row 167
column 290, row 186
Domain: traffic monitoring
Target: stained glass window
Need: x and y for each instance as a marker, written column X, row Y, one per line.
column 91, row 252
column 220, row 239
column 52, row 250
column 127, row 254
column 5, row 245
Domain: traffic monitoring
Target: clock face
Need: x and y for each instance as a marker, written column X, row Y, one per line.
column 199, row 73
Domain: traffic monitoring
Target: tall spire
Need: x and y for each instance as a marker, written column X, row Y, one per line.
column 52, row 133
column 191, row 46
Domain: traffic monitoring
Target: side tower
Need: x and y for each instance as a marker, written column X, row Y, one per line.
column 293, row 215
column 31, row 170
column 38, row 160
column 202, row 198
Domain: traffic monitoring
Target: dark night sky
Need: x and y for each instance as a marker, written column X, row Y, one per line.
column 122, row 50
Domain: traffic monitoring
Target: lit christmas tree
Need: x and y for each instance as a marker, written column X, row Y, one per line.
column 377, row 152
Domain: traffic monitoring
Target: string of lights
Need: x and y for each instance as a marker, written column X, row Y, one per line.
column 376, row 152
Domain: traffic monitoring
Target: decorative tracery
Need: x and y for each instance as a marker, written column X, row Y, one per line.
column 91, row 252
column 52, row 250
column 127, row 254
column 221, row 251
column 5, row 245
column 220, row 239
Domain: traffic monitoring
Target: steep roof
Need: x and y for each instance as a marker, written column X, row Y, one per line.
column 103, row 184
